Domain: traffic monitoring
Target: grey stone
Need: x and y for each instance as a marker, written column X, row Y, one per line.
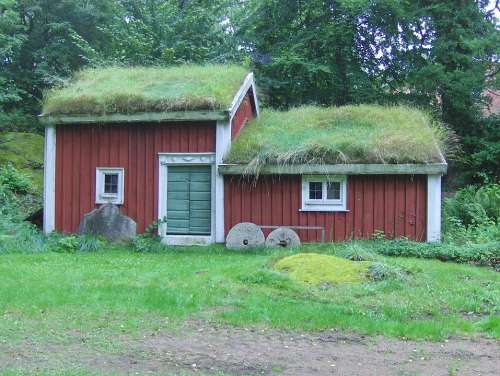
column 107, row 221
column 283, row 237
column 245, row 235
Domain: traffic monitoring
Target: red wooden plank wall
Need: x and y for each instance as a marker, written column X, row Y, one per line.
column 394, row 204
column 135, row 147
column 243, row 114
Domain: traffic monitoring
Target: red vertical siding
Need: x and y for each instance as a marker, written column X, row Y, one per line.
column 135, row 147
column 393, row 204
column 243, row 114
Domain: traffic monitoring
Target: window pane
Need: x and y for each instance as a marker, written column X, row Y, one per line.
column 333, row 190
column 315, row 190
column 111, row 183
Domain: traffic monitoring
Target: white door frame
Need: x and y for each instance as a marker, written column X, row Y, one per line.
column 184, row 159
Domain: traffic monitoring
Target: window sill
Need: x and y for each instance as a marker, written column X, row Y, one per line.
column 324, row 209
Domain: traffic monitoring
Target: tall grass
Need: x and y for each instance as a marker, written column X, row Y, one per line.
column 350, row 134
column 140, row 89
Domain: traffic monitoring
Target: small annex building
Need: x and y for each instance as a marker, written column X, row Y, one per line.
column 188, row 144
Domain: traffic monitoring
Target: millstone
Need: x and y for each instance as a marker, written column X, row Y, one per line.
column 245, row 235
column 283, row 237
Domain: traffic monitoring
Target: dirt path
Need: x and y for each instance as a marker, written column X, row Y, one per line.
column 202, row 349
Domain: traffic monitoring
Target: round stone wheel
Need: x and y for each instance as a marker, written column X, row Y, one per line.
column 245, row 235
column 283, row 237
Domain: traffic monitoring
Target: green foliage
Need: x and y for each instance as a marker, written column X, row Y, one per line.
column 480, row 160
column 379, row 271
column 14, row 180
column 473, row 215
column 24, row 151
column 73, row 243
column 355, row 251
column 148, row 244
column 130, row 90
column 350, row 134
column 482, row 254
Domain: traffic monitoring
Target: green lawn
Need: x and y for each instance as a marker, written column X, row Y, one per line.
column 120, row 291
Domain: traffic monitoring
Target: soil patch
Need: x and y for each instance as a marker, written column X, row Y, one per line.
column 200, row 348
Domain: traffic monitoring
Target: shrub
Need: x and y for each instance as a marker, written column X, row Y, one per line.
column 379, row 271
column 356, row 252
column 14, row 180
column 146, row 243
column 73, row 243
column 483, row 254
column 473, row 215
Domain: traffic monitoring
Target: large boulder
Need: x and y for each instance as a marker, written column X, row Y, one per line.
column 107, row 221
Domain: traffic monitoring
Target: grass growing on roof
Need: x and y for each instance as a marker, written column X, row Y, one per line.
column 133, row 90
column 350, row 134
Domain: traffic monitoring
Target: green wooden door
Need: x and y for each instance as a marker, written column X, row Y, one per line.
column 189, row 207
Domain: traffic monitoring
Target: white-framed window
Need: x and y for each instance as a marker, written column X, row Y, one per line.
column 324, row 193
column 109, row 185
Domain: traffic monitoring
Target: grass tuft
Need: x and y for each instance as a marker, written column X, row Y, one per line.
column 350, row 134
column 133, row 90
column 315, row 268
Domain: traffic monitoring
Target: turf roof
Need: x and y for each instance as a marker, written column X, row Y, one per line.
column 350, row 134
column 115, row 90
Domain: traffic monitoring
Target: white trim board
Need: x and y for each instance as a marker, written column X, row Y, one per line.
column 184, row 159
column 248, row 83
column 49, row 180
column 223, row 143
column 433, row 208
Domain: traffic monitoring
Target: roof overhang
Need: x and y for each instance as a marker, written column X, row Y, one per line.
column 338, row 169
column 134, row 118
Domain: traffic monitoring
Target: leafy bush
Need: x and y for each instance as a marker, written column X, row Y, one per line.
column 147, row 243
column 379, row 271
column 14, row 180
column 356, row 252
column 483, row 254
column 73, row 243
column 472, row 215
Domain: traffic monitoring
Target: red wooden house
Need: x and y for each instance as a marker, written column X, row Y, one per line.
column 155, row 142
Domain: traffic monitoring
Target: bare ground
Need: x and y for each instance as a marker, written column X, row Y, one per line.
column 200, row 348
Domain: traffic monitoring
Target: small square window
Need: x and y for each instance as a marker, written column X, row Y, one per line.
column 109, row 185
column 315, row 190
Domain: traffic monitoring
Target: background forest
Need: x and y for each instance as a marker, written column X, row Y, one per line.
column 441, row 56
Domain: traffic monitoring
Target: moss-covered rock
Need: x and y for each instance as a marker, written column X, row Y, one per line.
column 315, row 268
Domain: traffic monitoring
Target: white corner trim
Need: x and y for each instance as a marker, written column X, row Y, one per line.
column 325, row 205
column 248, row 83
column 49, row 180
column 223, row 143
column 433, row 208
column 177, row 159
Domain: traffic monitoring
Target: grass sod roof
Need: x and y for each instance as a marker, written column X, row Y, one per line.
column 115, row 90
column 339, row 135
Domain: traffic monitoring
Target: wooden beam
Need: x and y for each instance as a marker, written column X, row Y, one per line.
column 134, row 118
column 339, row 169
